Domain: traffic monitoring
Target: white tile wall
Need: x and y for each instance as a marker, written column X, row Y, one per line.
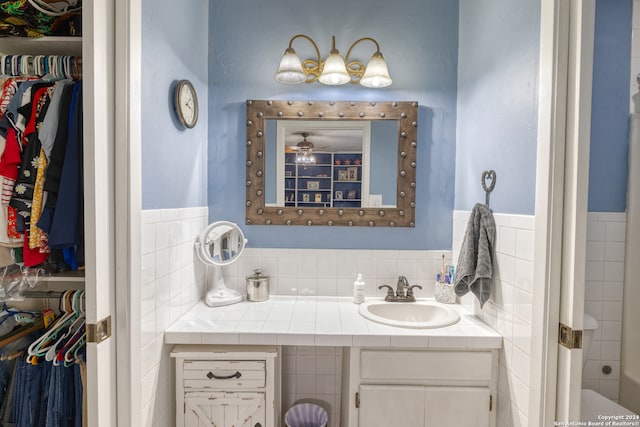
column 312, row 374
column 331, row 272
column 172, row 282
column 603, row 299
column 635, row 56
column 508, row 310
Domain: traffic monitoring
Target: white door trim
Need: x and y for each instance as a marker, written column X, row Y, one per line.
column 576, row 194
column 129, row 208
column 562, row 111
column 99, row 213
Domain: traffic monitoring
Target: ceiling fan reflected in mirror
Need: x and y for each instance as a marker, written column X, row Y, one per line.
column 304, row 150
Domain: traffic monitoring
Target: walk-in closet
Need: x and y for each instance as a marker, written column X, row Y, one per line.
column 57, row 350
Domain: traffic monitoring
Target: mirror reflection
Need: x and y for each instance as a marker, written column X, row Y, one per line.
column 222, row 243
column 347, row 164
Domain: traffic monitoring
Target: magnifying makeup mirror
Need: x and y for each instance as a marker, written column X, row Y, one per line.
column 219, row 244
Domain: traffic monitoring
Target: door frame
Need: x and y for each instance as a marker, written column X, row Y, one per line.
column 128, row 141
column 99, row 211
column 564, row 116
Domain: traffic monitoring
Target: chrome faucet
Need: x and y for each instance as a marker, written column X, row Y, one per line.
column 403, row 285
column 403, row 293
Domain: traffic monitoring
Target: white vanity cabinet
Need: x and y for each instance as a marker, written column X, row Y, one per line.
column 414, row 388
column 226, row 386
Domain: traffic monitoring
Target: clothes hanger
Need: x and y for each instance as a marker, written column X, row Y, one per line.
column 37, row 65
column 77, row 71
column 15, row 65
column 8, row 312
column 41, row 345
column 68, row 337
column 62, row 7
column 72, row 353
column 26, row 65
column 67, row 67
column 61, row 71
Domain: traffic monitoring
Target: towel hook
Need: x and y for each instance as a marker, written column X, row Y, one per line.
column 491, row 177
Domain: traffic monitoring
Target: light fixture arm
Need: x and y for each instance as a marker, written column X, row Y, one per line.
column 312, row 68
column 357, row 68
column 346, row 58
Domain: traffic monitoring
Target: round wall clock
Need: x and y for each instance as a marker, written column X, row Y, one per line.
column 186, row 103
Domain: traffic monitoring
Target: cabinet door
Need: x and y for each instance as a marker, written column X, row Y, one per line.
column 456, row 406
column 224, row 409
column 392, row 405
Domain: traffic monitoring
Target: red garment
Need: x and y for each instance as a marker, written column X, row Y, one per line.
column 32, row 257
column 10, row 159
column 9, row 164
column 12, row 233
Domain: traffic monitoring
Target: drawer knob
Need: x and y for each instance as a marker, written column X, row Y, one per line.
column 211, row 376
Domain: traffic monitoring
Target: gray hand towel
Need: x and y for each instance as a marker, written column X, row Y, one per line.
column 475, row 269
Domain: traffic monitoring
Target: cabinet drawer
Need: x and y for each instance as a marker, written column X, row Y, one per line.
column 223, row 375
column 425, row 365
column 224, row 409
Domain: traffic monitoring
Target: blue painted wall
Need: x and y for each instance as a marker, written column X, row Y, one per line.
column 383, row 178
column 174, row 168
column 498, row 103
column 419, row 39
column 610, row 106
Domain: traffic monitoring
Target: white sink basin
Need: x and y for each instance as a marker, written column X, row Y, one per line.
column 417, row 315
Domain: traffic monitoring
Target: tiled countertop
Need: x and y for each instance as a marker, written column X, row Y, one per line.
column 319, row 321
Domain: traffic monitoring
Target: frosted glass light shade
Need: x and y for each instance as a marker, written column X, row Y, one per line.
column 334, row 71
column 290, row 71
column 376, row 75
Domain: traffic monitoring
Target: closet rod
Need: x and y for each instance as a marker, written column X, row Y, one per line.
column 43, row 294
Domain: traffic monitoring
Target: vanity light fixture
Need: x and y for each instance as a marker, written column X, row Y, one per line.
column 333, row 70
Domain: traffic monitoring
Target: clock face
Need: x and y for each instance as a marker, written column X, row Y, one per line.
column 186, row 103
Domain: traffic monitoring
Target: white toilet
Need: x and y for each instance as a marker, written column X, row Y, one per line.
column 593, row 405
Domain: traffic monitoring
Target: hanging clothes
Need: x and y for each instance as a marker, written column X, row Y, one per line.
column 23, row 191
column 40, row 163
column 67, row 226
column 40, row 389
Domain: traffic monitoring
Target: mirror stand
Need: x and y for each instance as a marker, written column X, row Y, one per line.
column 219, row 294
column 220, row 244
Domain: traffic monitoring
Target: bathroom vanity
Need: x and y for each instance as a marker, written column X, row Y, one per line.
column 412, row 387
column 390, row 375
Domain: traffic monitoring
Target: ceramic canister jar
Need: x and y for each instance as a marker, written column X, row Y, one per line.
column 258, row 286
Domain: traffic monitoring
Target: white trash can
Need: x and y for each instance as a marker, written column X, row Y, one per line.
column 306, row 415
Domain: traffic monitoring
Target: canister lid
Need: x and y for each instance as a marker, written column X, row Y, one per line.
column 258, row 275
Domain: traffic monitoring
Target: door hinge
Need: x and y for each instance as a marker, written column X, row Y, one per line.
column 569, row 338
column 357, row 400
column 490, row 402
column 98, row 332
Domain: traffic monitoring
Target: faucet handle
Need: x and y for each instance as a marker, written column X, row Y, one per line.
column 403, row 285
column 410, row 289
column 389, row 289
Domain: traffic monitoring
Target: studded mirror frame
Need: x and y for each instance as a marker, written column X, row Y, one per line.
column 403, row 215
